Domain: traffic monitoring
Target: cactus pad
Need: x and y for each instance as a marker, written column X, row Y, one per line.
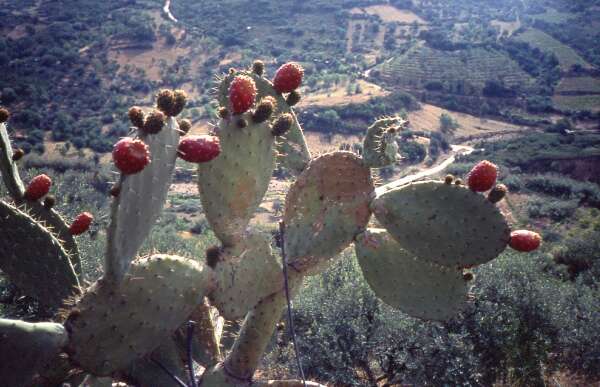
column 246, row 274
column 380, row 147
column 416, row 287
column 26, row 348
column 443, row 223
column 141, row 200
column 233, row 184
column 53, row 221
column 292, row 148
column 34, row 259
column 113, row 325
column 325, row 209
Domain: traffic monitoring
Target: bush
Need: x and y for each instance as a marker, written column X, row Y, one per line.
column 524, row 322
column 513, row 182
column 565, row 188
column 581, row 255
column 550, row 208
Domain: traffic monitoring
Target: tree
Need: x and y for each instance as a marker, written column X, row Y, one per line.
column 447, row 123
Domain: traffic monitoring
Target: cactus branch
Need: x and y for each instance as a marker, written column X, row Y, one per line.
column 8, row 167
column 290, row 312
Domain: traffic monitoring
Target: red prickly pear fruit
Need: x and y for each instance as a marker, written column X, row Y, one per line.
column 130, row 156
column 38, row 187
column 199, row 149
column 81, row 223
column 483, row 176
column 525, row 240
column 242, row 93
column 288, row 77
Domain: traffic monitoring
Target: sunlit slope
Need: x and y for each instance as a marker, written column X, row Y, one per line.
column 421, row 65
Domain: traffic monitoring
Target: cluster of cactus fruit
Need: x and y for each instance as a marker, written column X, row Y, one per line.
column 131, row 324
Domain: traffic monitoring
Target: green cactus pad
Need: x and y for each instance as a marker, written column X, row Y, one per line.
column 34, row 259
column 325, row 209
column 53, row 221
column 141, row 200
column 50, row 218
column 416, row 287
column 26, row 348
column 246, row 274
column 443, row 223
column 292, row 148
column 380, row 148
column 233, row 184
column 114, row 324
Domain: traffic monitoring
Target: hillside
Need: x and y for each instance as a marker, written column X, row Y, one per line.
column 422, row 65
column 514, row 82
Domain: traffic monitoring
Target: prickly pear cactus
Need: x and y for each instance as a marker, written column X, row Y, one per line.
column 401, row 280
column 112, row 326
column 380, row 147
column 49, row 218
column 237, row 271
column 140, row 200
column 292, row 148
column 34, row 258
column 232, row 185
column 447, row 224
column 131, row 325
column 325, row 208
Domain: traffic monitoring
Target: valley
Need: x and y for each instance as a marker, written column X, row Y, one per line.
column 514, row 82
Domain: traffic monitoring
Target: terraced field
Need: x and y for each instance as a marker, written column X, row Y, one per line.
column 577, row 102
column 566, row 56
column 578, row 85
column 422, row 64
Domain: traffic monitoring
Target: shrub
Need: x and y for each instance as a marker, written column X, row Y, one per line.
column 553, row 209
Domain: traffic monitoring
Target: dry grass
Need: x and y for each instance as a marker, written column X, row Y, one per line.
column 428, row 119
column 338, row 95
column 319, row 143
column 390, row 14
column 508, row 27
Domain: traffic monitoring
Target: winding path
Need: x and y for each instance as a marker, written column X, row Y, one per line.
column 456, row 150
column 167, row 11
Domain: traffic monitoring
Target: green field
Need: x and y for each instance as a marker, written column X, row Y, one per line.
column 566, row 56
column 422, row 64
column 577, row 102
column 578, row 84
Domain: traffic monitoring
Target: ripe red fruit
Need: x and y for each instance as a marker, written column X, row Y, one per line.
column 199, row 149
column 483, row 176
column 130, row 156
column 525, row 240
column 38, row 187
column 242, row 93
column 288, row 77
column 81, row 223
